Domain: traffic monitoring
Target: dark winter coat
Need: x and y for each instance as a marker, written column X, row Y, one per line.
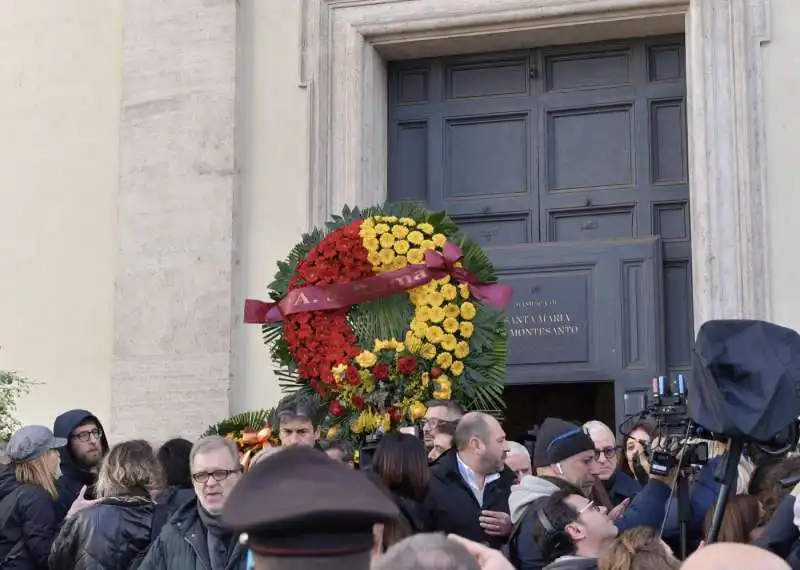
column 73, row 475
column 451, row 506
column 112, row 535
column 780, row 533
column 182, row 545
column 28, row 523
column 621, row 486
column 573, row 563
column 173, row 498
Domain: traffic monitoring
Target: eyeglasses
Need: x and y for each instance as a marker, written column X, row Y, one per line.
column 86, row 435
column 607, row 452
column 218, row 475
column 590, row 506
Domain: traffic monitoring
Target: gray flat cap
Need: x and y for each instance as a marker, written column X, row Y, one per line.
column 30, row 442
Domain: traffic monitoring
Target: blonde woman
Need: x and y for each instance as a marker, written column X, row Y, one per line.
column 28, row 521
column 115, row 533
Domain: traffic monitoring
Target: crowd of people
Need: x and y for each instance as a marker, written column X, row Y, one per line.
column 459, row 496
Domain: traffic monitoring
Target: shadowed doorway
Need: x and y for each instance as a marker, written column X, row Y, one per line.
column 528, row 405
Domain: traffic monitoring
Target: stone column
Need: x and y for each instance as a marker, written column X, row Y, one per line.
column 172, row 345
column 727, row 158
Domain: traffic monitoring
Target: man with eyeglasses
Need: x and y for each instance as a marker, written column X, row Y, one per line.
column 195, row 537
column 566, row 459
column 570, row 531
column 80, row 459
column 441, row 417
column 618, row 485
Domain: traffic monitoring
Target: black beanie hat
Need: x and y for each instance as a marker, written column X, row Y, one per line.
column 557, row 440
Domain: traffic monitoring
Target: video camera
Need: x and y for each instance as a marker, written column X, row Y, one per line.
column 672, row 444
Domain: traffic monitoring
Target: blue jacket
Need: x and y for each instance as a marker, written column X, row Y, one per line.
column 622, row 486
column 73, row 475
column 646, row 509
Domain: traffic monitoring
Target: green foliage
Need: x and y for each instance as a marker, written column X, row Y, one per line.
column 384, row 318
column 12, row 387
column 254, row 420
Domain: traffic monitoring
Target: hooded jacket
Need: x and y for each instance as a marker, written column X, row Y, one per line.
column 646, row 509
column 74, row 475
column 28, row 523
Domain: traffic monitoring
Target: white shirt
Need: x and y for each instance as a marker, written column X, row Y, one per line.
column 471, row 479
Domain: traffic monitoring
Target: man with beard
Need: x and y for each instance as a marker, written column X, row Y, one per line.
column 470, row 484
column 80, row 459
column 566, row 459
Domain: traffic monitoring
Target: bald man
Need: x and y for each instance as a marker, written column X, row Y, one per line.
column 470, row 484
column 733, row 556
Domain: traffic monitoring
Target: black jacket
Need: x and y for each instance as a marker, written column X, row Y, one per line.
column 173, row 498
column 621, row 486
column 182, row 543
column 73, row 475
column 112, row 535
column 28, row 523
column 451, row 506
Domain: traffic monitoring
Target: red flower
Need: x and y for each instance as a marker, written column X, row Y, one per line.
column 395, row 414
column 406, row 365
column 358, row 402
column 353, row 375
column 381, row 371
column 336, row 408
column 436, row 372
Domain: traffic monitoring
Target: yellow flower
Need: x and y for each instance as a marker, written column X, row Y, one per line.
column 448, row 342
column 417, row 411
column 444, row 389
column 416, row 237
column 386, row 256
column 435, row 299
column 439, row 240
column 399, row 232
column 426, row 379
column 408, row 222
column 371, row 244
column 450, row 325
column 466, row 329
column 333, row 431
column 428, row 351
column 451, row 311
column 463, row 288
column 449, row 292
column 457, row 368
column 401, row 246
column 374, row 258
column 366, row 233
column 380, row 345
column 428, row 244
column 381, row 228
column 423, row 313
column 399, row 347
column 425, row 228
column 390, row 219
column 434, row 334
column 387, row 240
column 385, row 423
column 368, row 223
column 444, row 360
column 462, row 349
column 366, row 359
column 399, row 262
column 468, row 310
column 444, row 280
column 437, row 315
column 413, row 342
column 415, row 256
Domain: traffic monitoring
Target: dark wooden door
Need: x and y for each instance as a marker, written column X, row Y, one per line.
column 568, row 145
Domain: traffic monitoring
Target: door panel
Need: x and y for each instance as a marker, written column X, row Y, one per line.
column 566, row 145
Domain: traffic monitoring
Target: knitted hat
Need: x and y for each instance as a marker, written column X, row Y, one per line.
column 557, row 440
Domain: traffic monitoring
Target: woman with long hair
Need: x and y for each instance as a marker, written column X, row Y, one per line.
column 115, row 533
column 740, row 521
column 401, row 464
column 174, row 458
column 638, row 549
column 28, row 521
column 633, row 451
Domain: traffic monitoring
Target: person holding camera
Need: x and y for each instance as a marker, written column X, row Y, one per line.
column 566, row 460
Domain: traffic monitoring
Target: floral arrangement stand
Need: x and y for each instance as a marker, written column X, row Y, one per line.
column 382, row 310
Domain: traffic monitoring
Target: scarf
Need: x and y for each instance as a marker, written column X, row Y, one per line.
column 220, row 540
